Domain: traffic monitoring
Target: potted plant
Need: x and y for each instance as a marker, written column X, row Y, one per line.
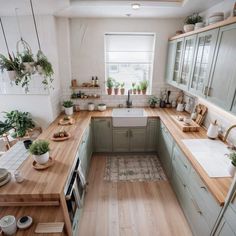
column 12, row 65
column 21, row 122
column 117, row 86
column 40, row 151
column 68, row 105
column 232, row 167
column 122, row 88
column 153, row 101
column 144, row 86
column 28, row 62
column 110, row 85
column 190, row 22
column 134, row 88
column 138, row 89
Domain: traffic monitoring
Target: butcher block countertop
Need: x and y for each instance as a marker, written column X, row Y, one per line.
column 48, row 185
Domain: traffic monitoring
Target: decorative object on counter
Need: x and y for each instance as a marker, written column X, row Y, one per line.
column 74, row 83
column 180, row 107
column 61, row 136
column 68, row 105
column 152, row 101
column 186, row 124
column 143, row 86
column 201, row 113
column 91, row 106
column 190, row 22
column 188, row 106
column 232, row 167
column 173, row 104
column 178, row 32
column 110, row 85
column 138, row 89
column 199, row 25
column 116, row 87
column 66, row 120
column 40, row 151
column 24, row 222
column 8, row 225
column 46, row 228
column 134, row 88
column 122, row 88
column 96, row 82
column 38, row 166
column 216, row 17
column 5, row 176
column 93, row 81
column 194, row 115
column 102, row 107
column 168, row 104
column 162, row 103
column 180, row 97
column 18, row 176
column 213, row 130
column 27, row 143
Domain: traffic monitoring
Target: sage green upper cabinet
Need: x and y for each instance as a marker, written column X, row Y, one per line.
column 121, row 140
column 204, row 52
column 137, row 139
column 170, row 61
column 187, row 61
column 223, row 78
column 102, row 131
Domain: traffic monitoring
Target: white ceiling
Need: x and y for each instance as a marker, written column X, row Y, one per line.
column 107, row 8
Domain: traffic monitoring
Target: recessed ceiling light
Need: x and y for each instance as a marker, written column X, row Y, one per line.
column 135, row 6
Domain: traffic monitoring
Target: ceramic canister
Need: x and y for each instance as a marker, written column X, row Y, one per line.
column 212, row 131
column 8, row 225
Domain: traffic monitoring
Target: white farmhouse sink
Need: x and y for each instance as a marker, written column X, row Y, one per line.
column 129, row 117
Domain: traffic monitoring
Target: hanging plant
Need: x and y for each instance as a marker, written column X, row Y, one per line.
column 28, row 62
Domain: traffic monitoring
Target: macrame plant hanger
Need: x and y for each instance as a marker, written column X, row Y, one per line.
column 5, row 38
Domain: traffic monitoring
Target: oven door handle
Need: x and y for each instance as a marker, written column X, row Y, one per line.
column 75, row 192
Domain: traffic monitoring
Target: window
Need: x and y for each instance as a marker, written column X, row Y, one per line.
column 129, row 57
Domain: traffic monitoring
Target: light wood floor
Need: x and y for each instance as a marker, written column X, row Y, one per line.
column 130, row 208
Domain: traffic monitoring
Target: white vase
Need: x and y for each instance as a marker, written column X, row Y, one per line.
column 69, row 111
column 12, row 75
column 41, row 159
column 91, row 106
column 198, row 25
column 29, row 67
column 188, row 28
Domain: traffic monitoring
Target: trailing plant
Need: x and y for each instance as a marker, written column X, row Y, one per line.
column 193, row 19
column 232, row 157
column 4, row 127
column 39, row 147
column 110, row 82
column 27, row 56
column 11, row 64
column 143, row 84
column 68, row 104
column 153, row 100
column 21, row 122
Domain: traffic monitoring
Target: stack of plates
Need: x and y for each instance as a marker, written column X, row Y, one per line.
column 5, row 176
column 216, row 17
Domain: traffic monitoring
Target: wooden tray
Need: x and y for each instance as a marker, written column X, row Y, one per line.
column 61, row 139
column 71, row 121
column 38, row 166
column 192, row 127
column 54, row 227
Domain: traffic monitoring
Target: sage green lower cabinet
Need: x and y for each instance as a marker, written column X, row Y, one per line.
column 152, row 134
column 102, row 133
column 165, row 149
column 137, row 139
column 224, row 229
column 121, row 140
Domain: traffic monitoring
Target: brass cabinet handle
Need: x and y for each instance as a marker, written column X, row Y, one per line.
column 203, row 187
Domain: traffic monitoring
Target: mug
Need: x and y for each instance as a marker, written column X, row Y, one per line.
column 180, row 107
column 91, row 106
column 8, row 225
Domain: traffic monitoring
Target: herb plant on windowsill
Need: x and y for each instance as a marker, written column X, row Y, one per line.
column 122, row 88
column 143, row 86
column 117, row 86
column 110, row 85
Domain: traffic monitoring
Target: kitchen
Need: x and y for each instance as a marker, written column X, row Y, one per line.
column 117, row 117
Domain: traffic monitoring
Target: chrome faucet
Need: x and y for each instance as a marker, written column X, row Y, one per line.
column 228, row 131
column 129, row 102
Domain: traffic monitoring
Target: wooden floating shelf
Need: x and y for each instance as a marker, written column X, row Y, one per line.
column 86, row 98
column 84, row 87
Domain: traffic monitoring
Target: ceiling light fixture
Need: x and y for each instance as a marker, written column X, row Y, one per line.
column 135, row 6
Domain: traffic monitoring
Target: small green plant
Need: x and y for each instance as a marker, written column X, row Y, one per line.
column 232, row 157
column 122, row 85
column 39, row 147
column 138, row 88
column 26, row 57
column 133, row 85
column 116, row 84
column 110, row 82
column 193, row 19
column 143, row 84
column 153, row 100
column 10, row 64
column 68, row 104
column 45, row 64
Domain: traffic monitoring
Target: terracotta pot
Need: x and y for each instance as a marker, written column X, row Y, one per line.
column 144, row 91
column 116, row 90
column 122, row 91
column 139, row 91
column 152, row 105
column 109, row 91
column 134, row 91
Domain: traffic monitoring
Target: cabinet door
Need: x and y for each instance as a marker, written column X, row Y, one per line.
column 177, row 62
column 121, row 140
column 137, row 139
column 233, row 109
column 187, row 61
column 102, row 131
column 224, row 229
column 170, row 62
column 205, row 48
column 152, row 131
column 223, row 78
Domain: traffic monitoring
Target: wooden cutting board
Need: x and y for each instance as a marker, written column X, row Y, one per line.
column 46, row 228
column 192, row 127
column 201, row 113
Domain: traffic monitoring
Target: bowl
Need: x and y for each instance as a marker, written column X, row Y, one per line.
column 102, row 107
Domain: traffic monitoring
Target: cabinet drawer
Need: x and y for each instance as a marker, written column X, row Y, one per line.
column 208, row 205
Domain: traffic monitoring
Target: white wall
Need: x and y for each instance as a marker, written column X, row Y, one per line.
column 87, row 51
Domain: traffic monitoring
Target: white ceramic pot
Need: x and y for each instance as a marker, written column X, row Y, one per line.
column 39, row 69
column 12, row 75
column 91, row 107
column 41, row 159
column 8, row 225
column 69, row 111
column 212, row 131
column 188, row 28
column 198, row 25
column 29, row 67
column 102, row 107
column 232, row 169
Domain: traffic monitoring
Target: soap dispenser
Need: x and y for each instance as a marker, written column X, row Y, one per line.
column 212, row 131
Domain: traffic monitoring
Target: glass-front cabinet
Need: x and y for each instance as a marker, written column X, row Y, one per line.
column 205, row 48
column 187, row 61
